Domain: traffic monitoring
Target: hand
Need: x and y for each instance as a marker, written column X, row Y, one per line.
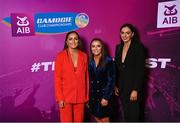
column 116, row 89
column 133, row 96
column 61, row 104
column 87, row 105
column 104, row 102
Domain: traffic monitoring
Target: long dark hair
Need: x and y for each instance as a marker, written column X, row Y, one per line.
column 102, row 61
column 135, row 38
column 79, row 40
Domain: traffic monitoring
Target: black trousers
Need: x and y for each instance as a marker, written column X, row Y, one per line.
column 131, row 108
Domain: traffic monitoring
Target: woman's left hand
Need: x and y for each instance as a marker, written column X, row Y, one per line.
column 104, row 102
column 133, row 96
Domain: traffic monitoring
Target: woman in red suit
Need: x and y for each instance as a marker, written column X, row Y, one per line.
column 71, row 80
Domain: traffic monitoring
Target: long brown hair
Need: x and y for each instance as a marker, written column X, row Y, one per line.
column 135, row 38
column 102, row 61
column 79, row 40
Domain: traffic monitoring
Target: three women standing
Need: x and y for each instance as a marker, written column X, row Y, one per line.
column 72, row 80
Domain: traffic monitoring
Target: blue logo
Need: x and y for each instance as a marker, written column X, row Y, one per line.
column 53, row 23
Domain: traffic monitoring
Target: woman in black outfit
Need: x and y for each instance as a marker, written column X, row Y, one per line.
column 130, row 62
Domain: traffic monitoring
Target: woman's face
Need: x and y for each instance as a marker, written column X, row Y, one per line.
column 126, row 34
column 72, row 41
column 96, row 48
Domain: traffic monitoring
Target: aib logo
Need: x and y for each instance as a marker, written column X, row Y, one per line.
column 168, row 14
column 22, row 25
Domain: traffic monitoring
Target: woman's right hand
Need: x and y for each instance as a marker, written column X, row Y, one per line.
column 116, row 89
column 87, row 104
column 61, row 104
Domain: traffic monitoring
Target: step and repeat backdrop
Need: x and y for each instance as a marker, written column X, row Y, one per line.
column 33, row 32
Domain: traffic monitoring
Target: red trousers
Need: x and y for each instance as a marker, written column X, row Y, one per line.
column 72, row 113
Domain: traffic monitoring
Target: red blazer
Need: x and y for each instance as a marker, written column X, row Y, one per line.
column 71, row 86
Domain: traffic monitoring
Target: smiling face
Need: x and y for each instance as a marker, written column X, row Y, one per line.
column 126, row 34
column 72, row 41
column 96, row 48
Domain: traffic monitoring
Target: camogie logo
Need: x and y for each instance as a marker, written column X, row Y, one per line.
column 82, row 20
column 23, row 24
column 53, row 23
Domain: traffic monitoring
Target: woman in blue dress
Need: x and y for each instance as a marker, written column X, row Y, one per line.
column 102, row 81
